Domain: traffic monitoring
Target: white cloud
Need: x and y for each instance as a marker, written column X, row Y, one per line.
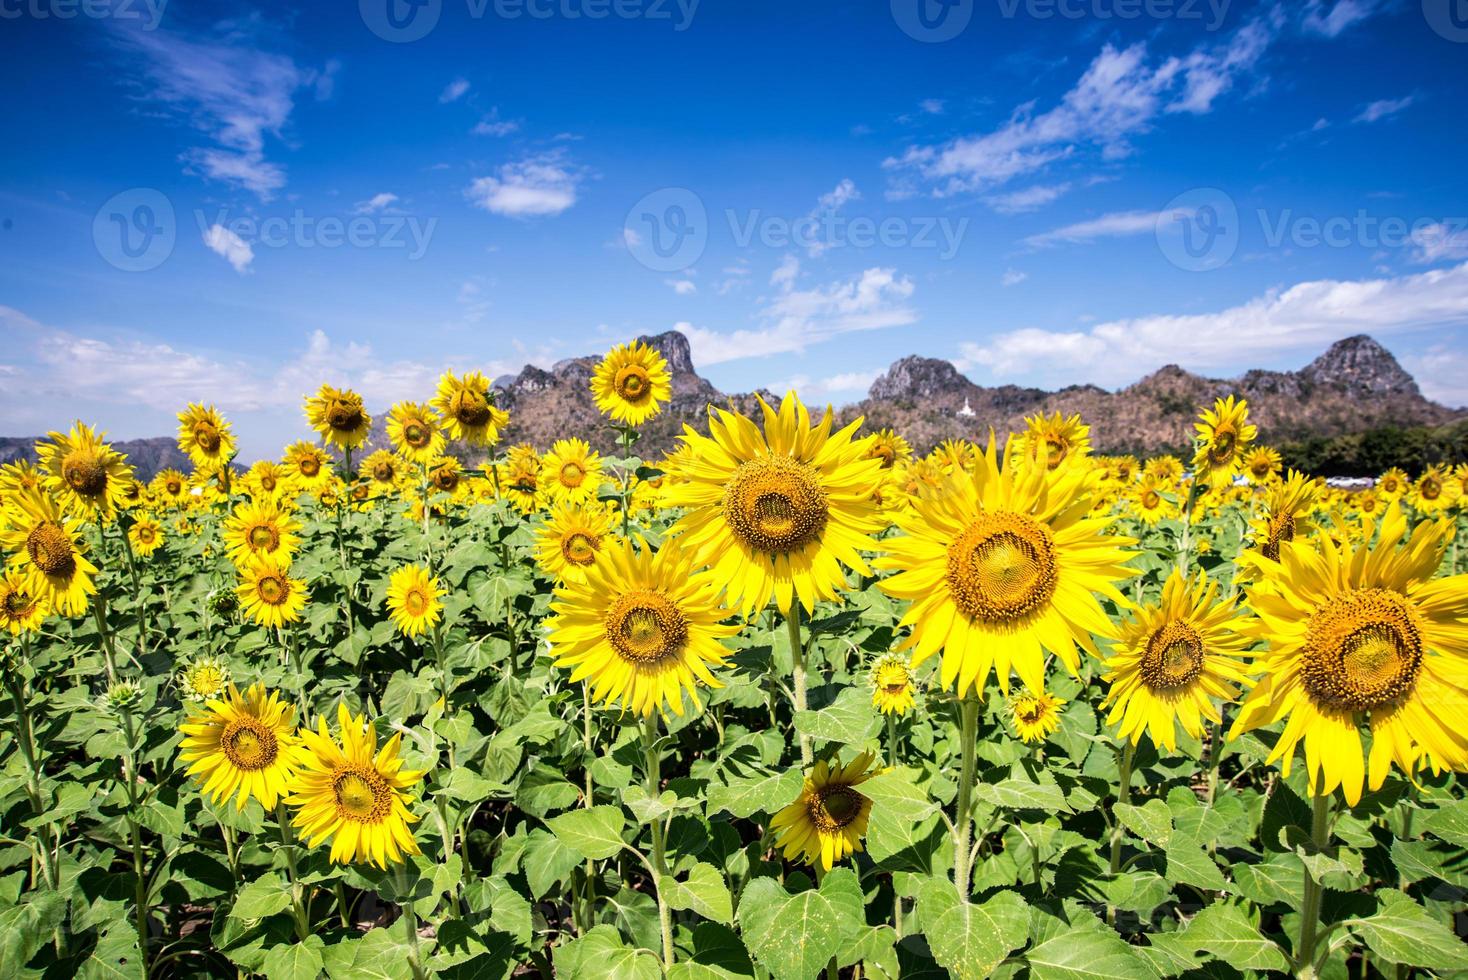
column 851, row 384
column 1113, row 225
column 1029, row 199
column 1441, row 372
column 1441, row 242
column 544, row 185
column 454, row 90
column 1303, row 317
column 1013, row 277
column 799, row 318
column 377, row 202
column 785, row 273
column 493, row 125
column 683, row 287
column 231, row 247
column 827, row 205
column 1341, row 15
column 933, row 107
column 1383, row 108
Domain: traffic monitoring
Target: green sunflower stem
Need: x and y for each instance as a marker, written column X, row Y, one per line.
column 963, row 814
column 109, row 653
column 626, row 479
column 797, row 658
column 659, row 856
column 287, row 840
column 410, row 919
column 25, row 738
column 341, row 545
column 135, row 834
column 1310, row 902
column 892, row 747
column 583, row 920
column 1123, row 797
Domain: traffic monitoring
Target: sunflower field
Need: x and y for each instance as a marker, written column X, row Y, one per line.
column 789, row 702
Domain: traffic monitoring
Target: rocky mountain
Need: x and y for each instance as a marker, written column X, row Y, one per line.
column 146, row 456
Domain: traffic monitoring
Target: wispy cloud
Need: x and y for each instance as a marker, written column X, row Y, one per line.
column 540, row 186
column 493, row 125
column 1029, row 199
column 828, row 205
column 229, row 246
column 453, row 91
column 1384, row 108
column 376, row 203
column 848, row 386
column 1442, row 242
column 1114, row 225
column 1332, row 19
column 1013, row 277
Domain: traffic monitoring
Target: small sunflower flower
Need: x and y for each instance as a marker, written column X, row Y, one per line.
column 243, row 747
column 1034, row 714
column 203, row 678
column 268, row 594
column 892, row 686
column 631, row 383
column 826, row 823
column 337, row 414
column 413, row 600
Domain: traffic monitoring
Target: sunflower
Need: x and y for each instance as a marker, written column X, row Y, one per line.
column 132, row 494
column 260, row 529
column 21, row 610
column 337, row 414
column 1055, row 439
column 416, row 431
column 1393, row 483
column 570, row 540
column 267, row 479
column 641, row 629
column 1124, row 469
column 955, row 454
column 1002, row 567
column 468, row 409
column 446, row 476
column 203, row 678
column 1034, row 714
column 170, row 486
column 17, row 478
column 631, row 383
column 889, row 447
column 1435, row 491
column 827, row 821
column 1224, row 438
column 413, row 599
column 1287, row 509
column 519, row 479
column 779, row 513
column 382, row 471
column 355, row 794
column 243, row 747
column 1176, row 657
column 307, row 466
column 84, row 473
column 1362, row 635
column 45, row 547
column 1167, row 469
column 1153, row 501
column 145, row 536
column 892, row 687
column 1261, row 464
column 268, row 594
column 1368, row 503
column 571, row 472
column 205, row 436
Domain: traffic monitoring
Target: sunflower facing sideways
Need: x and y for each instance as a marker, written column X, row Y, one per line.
column 84, row 473
column 416, row 432
column 1034, row 714
column 21, row 610
column 519, row 478
column 1055, row 439
column 1435, row 491
column 892, row 686
column 1002, row 568
column 1224, row 437
column 1362, row 635
column 1287, row 509
column 571, row 472
column 827, row 822
column 569, row 541
column 642, row 629
column 468, row 409
column 631, row 383
column 1261, row 464
column 245, row 747
column 778, row 513
column 307, row 465
column 267, row 592
column 382, row 471
column 337, row 414
column 413, row 600
column 260, row 529
column 145, row 536
column 1176, row 658
column 889, row 447
column 205, row 436
column 46, row 549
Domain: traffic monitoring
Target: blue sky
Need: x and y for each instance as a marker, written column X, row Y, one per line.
column 236, row 203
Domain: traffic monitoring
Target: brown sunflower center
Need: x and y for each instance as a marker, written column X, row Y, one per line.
column 1222, row 449
column 416, row 434
column 18, row 603
column 1362, row 650
column 309, row 465
column 1055, row 452
column 1431, row 488
column 1173, row 658
column 1002, row 567
column 50, row 550
column 263, row 537
column 1029, row 711
column 885, row 452
column 1389, row 484
column 1151, row 500
column 1281, row 530
column 362, row 794
column 775, row 504
column 344, row 415
column 267, row 482
column 645, row 627
column 834, row 807
column 207, row 436
column 145, row 534
column 470, row 408
column 85, row 472
column 415, row 602
column 446, row 479
column 632, row 383
column 274, row 589
column 579, row 548
column 572, row 474
column 383, row 471
column 249, row 744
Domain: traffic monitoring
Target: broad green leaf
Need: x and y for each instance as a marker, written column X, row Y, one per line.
column 296, row 960
column 705, row 892
column 595, row 832
column 1227, row 933
column 1084, row 954
column 795, row 936
column 970, row 940
column 850, row 719
column 1278, row 880
column 601, row 955
column 1404, row 932
column 1023, row 794
column 26, row 928
column 1150, row 823
column 264, row 896
column 896, row 791
column 547, row 861
column 744, row 796
column 1188, row 863
column 1449, row 822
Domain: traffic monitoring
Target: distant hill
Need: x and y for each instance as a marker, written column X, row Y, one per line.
column 145, row 456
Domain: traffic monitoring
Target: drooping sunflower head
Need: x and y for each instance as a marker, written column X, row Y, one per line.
column 21, row 610
column 308, row 465
column 446, row 477
column 205, row 436
column 203, row 678
column 337, row 414
column 243, row 747
column 260, row 529
column 1262, row 464
column 1153, row 500
column 1393, row 483
column 1362, row 634
column 1034, row 714
column 642, row 629
column 17, row 478
column 1054, row 440
column 888, row 447
column 145, row 536
column 416, row 431
column 826, row 823
column 355, row 794
column 86, row 475
column 631, row 383
column 1007, row 564
column 413, row 599
column 570, row 540
column 468, row 409
column 1287, row 510
column 1175, row 660
column 1436, row 491
column 571, row 472
column 48, row 551
column 1224, row 437
column 267, row 592
column 892, row 684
